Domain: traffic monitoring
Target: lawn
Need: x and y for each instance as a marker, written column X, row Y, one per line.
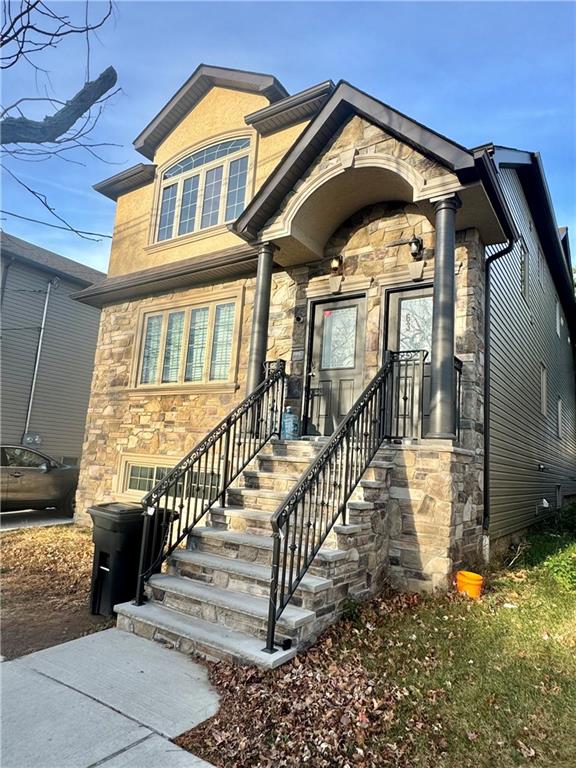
column 45, row 587
column 414, row 681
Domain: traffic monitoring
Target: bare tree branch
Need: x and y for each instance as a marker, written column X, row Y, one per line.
column 21, row 130
column 55, row 226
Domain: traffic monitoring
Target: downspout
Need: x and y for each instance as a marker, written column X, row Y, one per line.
column 493, row 257
column 51, row 284
column 9, row 263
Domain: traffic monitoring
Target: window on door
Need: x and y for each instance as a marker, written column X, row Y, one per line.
column 410, row 320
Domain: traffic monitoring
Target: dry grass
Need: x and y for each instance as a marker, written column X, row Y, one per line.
column 417, row 682
column 45, row 586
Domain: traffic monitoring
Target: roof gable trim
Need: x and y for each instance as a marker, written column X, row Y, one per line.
column 345, row 101
column 194, row 89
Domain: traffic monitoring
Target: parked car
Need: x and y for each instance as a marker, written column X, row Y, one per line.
column 31, row 480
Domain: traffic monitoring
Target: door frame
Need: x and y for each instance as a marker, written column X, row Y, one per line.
column 309, row 348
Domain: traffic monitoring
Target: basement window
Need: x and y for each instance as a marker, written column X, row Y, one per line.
column 141, row 477
column 203, row 190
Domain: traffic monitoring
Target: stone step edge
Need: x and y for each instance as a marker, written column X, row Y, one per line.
column 270, row 475
column 239, row 602
column 247, row 512
column 213, row 638
column 260, row 542
column 310, row 583
column 264, row 492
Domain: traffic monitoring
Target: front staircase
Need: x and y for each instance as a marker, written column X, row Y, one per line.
column 213, row 598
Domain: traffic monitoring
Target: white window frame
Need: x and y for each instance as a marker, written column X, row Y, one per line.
column 559, row 417
column 140, row 460
column 540, row 267
column 524, row 270
column 166, row 310
column 200, row 171
column 543, row 389
column 558, row 320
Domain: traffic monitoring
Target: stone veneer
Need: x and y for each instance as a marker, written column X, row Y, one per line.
column 436, row 504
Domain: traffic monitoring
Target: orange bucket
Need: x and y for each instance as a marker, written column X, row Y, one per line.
column 468, row 583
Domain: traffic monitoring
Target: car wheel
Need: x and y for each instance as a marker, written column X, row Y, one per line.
column 68, row 506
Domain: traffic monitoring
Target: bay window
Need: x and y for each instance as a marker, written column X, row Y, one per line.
column 203, row 190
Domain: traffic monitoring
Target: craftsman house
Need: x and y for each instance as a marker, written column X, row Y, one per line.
column 408, row 298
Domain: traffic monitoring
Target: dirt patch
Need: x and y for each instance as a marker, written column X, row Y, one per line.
column 45, row 587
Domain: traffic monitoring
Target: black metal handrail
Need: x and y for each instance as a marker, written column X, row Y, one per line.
column 406, row 394
column 181, row 499
column 305, row 518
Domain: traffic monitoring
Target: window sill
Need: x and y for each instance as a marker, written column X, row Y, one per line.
column 186, row 389
column 173, row 242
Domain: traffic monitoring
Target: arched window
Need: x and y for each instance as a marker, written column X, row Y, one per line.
column 204, row 189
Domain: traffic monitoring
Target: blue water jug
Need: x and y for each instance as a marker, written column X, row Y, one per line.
column 290, row 427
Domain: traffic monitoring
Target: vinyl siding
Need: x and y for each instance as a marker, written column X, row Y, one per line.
column 65, row 370
column 522, row 338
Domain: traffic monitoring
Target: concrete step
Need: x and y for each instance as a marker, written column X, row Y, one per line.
column 293, row 447
column 236, row 610
column 251, row 548
column 270, row 481
column 238, row 575
column 156, row 622
column 256, row 498
column 242, row 519
column 287, row 465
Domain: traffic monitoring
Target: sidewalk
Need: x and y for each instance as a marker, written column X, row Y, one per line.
column 110, row 699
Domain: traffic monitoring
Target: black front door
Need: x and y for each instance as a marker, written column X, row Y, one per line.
column 336, row 364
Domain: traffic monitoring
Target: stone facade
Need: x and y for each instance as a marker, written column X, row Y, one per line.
column 432, row 519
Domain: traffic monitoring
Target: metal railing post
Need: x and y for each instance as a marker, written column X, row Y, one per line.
column 225, row 467
column 144, row 547
column 271, row 630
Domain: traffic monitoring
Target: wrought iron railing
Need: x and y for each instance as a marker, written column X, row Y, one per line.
column 408, row 395
column 305, row 518
column 181, row 499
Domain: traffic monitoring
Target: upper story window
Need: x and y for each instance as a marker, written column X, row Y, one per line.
column 204, row 189
column 540, row 267
column 524, row 269
column 543, row 389
column 189, row 345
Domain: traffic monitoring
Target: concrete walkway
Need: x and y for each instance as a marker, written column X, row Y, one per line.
column 110, row 699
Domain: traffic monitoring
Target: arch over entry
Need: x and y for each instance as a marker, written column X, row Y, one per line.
column 320, row 204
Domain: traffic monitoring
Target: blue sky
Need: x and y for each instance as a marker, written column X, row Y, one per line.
column 477, row 72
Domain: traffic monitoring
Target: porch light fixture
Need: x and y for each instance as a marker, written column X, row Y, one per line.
column 336, row 265
column 416, row 246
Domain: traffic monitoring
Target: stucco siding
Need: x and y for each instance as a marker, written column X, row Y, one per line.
column 66, row 361
column 522, row 338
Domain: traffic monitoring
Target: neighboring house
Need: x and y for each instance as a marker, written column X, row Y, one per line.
column 48, row 343
column 381, row 261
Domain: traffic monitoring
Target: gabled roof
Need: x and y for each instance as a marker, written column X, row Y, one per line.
column 126, row 181
column 48, row 261
column 293, row 109
column 345, row 101
column 194, row 89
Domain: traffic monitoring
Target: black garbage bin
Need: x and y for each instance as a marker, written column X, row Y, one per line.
column 117, row 536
